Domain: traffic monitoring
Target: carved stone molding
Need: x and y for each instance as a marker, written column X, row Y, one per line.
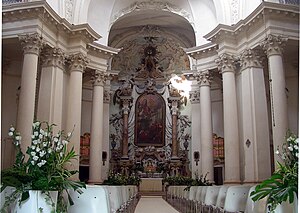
column 204, row 78
column 53, row 57
column 195, row 97
column 226, row 63
column 78, row 62
column 31, row 43
column 250, row 58
column 152, row 5
column 274, row 44
column 98, row 78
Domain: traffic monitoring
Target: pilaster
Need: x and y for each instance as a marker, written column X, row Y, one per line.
column 196, row 140
column 255, row 125
column 50, row 102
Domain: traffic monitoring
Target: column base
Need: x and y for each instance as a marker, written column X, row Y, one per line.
column 252, row 182
column 232, row 182
column 95, row 182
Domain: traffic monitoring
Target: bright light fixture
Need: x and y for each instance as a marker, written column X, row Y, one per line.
column 181, row 84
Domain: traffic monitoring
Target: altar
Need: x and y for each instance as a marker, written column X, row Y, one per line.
column 151, row 185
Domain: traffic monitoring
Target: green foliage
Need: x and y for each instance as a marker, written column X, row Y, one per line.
column 186, row 181
column 45, row 169
column 119, row 179
column 283, row 184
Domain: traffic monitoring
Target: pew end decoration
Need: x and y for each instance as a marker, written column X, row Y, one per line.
column 42, row 168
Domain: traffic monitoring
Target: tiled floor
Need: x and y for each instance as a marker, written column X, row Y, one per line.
column 154, row 204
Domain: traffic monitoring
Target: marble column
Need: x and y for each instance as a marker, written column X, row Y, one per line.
column 174, row 100
column 95, row 170
column 195, row 143
column 126, row 101
column 231, row 129
column 255, row 125
column 206, row 154
column 273, row 45
column 78, row 63
column 50, row 102
column 32, row 45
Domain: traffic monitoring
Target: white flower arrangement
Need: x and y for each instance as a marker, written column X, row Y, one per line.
column 45, row 168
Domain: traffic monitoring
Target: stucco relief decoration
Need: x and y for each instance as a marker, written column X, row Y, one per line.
column 106, row 96
column 69, row 9
column 116, row 120
column 234, row 7
column 153, row 5
column 195, row 97
column 159, row 55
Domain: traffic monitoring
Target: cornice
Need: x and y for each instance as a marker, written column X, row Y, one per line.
column 41, row 10
column 101, row 50
column 265, row 8
column 202, row 51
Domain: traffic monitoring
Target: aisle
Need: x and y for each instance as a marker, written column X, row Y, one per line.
column 152, row 204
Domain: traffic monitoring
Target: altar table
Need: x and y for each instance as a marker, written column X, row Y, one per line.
column 151, row 184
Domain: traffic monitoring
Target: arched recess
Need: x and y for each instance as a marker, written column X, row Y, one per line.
column 137, row 23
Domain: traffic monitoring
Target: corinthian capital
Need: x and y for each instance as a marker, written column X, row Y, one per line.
column 53, row 57
column 78, row 62
column 249, row 58
column 204, row 78
column 226, row 63
column 273, row 44
column 31, row 43
column 98, row 78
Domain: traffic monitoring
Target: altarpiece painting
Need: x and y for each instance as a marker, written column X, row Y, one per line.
column 150, row 120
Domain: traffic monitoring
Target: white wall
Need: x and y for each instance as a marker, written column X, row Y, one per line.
column 98, row 17
column 11, row 80
column 86, row 112
column 205, row 19
column 292, row 84
column 217, row 112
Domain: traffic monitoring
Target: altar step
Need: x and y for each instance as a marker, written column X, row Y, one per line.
column 152, row 193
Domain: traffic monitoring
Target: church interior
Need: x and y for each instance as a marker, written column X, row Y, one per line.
column 154, row 88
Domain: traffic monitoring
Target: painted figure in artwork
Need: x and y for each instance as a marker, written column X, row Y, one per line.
column 150, row 120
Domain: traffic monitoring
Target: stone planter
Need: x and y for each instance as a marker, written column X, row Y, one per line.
column 38, row 202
